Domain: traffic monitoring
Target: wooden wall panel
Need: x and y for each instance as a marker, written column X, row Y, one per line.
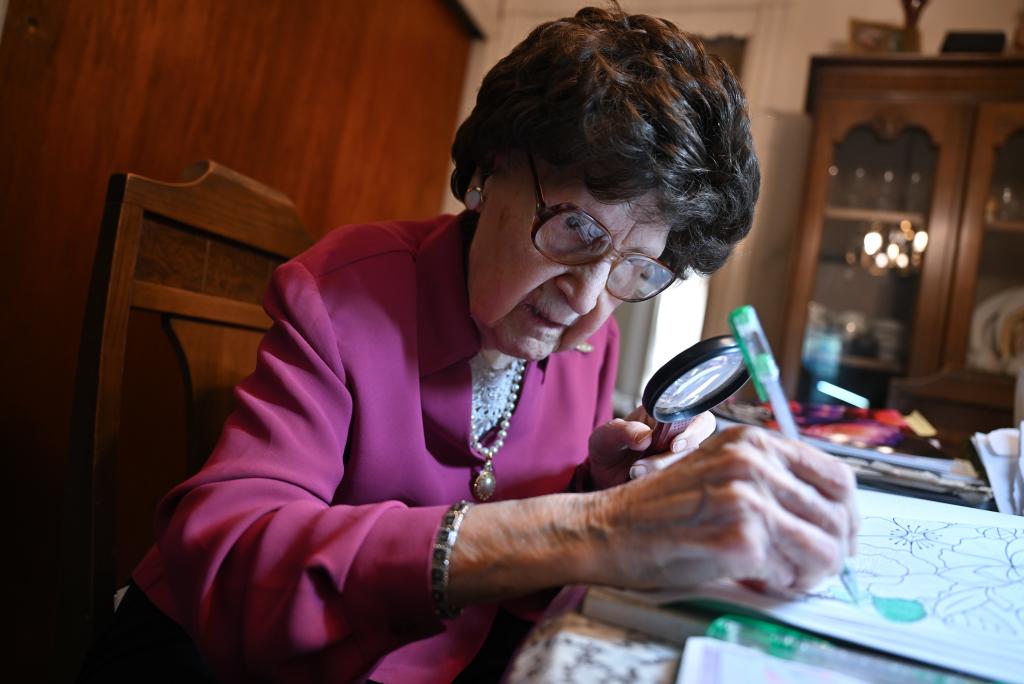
column 348, row 107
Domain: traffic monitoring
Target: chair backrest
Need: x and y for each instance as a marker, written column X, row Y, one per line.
column 198, row 255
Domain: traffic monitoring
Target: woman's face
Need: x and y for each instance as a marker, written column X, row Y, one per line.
column 524, row 304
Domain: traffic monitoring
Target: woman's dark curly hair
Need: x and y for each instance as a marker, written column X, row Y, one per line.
column 640, row 107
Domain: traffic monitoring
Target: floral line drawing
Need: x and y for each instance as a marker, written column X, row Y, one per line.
column 963, row 576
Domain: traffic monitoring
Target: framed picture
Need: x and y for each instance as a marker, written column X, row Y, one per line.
column 873, row 36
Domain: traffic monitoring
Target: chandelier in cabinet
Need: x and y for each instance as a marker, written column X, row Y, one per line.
column 887, row 248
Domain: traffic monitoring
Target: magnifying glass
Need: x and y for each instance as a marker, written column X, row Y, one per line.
column 694, row 381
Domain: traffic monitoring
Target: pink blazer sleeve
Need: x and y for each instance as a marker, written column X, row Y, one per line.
column 268, row 577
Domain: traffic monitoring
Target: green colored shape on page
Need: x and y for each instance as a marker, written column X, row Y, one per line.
column 899, row 610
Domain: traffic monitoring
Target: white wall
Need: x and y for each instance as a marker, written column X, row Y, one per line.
column 782, row 37
column 819, row 27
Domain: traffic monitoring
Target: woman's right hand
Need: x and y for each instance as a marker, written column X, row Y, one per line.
column 746, row 505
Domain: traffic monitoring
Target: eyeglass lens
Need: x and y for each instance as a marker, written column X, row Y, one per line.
column 573, row 238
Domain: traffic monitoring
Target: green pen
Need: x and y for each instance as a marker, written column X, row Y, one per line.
column 764, row 372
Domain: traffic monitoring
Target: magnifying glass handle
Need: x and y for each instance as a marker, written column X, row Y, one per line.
column 663, row 435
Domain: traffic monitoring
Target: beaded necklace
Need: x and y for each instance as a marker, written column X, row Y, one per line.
column 495, row 394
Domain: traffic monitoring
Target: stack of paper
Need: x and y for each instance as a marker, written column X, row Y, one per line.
column 886, row 469
column 709, row 661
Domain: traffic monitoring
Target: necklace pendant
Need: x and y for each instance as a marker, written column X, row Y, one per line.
column 484, row 484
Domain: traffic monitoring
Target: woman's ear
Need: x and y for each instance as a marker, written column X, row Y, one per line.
column 476, row 192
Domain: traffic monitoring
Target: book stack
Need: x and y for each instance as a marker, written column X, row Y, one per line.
column 878, row 445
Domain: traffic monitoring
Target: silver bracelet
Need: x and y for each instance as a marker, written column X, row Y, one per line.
column 441, row 558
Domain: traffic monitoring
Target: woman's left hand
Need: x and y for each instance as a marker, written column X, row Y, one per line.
column 617, row 446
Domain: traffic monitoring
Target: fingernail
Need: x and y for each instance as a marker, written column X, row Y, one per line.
column 638, row 470
column 678, row 444
column 641, row 436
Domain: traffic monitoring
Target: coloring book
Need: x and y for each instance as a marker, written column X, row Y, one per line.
column 937, row 583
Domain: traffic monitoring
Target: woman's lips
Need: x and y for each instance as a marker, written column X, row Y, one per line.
column 542, row 318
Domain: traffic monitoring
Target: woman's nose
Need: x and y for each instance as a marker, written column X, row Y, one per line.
column 583, row 285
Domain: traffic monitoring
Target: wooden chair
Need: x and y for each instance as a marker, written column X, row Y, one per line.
column 196, row 256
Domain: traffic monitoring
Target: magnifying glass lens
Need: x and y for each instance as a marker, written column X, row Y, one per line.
column 697, row 383
column 693, row 382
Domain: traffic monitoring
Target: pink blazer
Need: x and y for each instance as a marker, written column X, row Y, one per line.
column 301, row 550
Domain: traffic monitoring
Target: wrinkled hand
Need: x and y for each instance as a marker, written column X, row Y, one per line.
column 616, row 446
column 746, row 505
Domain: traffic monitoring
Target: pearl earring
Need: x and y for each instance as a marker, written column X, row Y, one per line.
column 474, row 198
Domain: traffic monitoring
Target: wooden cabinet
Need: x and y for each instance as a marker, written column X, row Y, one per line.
column 909, row 263
column 990, row 255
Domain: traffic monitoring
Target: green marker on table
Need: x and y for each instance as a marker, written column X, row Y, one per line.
column 757, row 354
column 793, row 644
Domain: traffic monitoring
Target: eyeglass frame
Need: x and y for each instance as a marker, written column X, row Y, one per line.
column 544, row 213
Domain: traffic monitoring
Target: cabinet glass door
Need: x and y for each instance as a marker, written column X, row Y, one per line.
column 990, row 281
column 873, row 245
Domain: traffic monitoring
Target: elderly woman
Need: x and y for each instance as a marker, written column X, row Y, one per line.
column 426, row 444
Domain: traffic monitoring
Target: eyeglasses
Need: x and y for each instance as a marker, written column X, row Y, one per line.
column 568, row 235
